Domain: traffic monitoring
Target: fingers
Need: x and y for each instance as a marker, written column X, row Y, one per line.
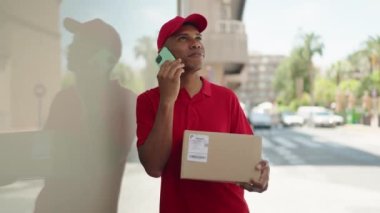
column 251, row 188
column 169, row 80
column 258, row 186
column 261, row 184
column 262, row 164
column 171, row 69
column 263, row 167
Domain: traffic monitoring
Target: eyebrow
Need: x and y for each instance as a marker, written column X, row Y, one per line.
column 185, row 34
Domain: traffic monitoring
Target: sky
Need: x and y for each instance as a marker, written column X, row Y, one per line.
column 272, row 26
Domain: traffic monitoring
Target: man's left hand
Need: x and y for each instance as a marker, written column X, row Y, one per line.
column 261, row 184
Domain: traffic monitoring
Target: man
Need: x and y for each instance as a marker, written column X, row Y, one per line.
column 93, row 122
column 184, row 100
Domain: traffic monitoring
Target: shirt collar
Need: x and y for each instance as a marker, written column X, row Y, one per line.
column 206, row 87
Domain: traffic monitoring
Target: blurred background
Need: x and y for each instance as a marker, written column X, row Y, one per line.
column 307, row 74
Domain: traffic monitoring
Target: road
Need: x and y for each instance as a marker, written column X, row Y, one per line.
column 321, row 170
column 312, row 170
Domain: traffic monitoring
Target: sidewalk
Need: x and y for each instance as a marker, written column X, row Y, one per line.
column 361, row 127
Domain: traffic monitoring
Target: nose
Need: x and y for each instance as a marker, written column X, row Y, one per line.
column 196, row 44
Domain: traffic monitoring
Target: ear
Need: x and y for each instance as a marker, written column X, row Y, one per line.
column 102, row 59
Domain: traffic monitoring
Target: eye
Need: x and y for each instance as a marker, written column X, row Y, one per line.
column 198, row 38
column 182, row 38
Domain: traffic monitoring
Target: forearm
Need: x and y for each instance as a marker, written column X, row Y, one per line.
column 155, row 152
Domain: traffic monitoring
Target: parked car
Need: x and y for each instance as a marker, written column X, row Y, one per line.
column 260, row 119
column 306, row 112
column 338, row 120
column 291, row 119
column 322, row 119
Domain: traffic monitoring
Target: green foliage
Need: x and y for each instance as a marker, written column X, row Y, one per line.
column 284, row 108
column 297, row 64
column 305, row 99
column 372, row 49
column 311, row 46
column 350, row 85
column 295, row 74
column 324, row 92
column 283, row 83
column 370, row 83
column 367, row 59
column 340, row 71
column 358, row 73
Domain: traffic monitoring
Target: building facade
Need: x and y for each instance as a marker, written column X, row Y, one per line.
column 225, row 39
column 259, row 74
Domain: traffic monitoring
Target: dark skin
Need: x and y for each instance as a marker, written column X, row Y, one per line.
column 186, row 45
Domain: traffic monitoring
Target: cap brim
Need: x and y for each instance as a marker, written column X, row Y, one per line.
column 71, row 25
column 198, row 20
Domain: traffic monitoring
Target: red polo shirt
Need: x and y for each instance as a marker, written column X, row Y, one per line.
column 215, row 109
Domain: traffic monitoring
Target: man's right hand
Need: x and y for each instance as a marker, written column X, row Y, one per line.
column 169, row 79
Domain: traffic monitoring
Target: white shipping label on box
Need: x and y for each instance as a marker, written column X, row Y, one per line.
column 198, row 148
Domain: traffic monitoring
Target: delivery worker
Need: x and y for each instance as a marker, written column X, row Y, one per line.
column 185, row 100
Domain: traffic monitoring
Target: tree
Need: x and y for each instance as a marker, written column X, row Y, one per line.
column 324, row 92
column 372, row 51
column 367, row 59
column 298, row 68
column 283, row 82
column 295, row 75
column 350, row 85
column 370, row 83
column 311, row 46
column 350, row 89
column 340, row 70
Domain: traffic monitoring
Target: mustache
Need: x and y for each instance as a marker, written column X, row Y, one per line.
column 197, row 52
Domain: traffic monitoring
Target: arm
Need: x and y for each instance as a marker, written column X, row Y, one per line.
column 241, row 125
column 155, row 151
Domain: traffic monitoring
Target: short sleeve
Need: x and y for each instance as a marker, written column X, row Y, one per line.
column 239, row 121
column 145, row 116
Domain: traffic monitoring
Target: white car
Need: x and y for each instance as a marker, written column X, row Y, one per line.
column 322, row 119
column 258, row 120
column 338, row 120
column 306, row 112
column 291, row 119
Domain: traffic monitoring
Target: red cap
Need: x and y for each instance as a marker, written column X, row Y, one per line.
column 96, row 29
column 170, row 27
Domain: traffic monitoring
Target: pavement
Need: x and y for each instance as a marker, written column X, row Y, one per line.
column 293, row 188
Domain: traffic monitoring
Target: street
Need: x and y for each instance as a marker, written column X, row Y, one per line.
column 312, row 170
column 321, row 170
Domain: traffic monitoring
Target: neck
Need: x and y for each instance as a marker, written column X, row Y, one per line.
column 191, row 82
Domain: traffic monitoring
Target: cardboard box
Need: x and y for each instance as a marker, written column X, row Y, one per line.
column 220, row 156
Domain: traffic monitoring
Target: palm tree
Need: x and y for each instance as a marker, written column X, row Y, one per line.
column 311, row 46
column 341, row 70
column 360, row 63
column 298, row 70
column 372, row 51
column 367, row 59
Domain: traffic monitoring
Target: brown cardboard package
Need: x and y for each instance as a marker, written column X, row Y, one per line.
column 220, row 156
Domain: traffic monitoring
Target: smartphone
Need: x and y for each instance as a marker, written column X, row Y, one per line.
column 164, row 55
